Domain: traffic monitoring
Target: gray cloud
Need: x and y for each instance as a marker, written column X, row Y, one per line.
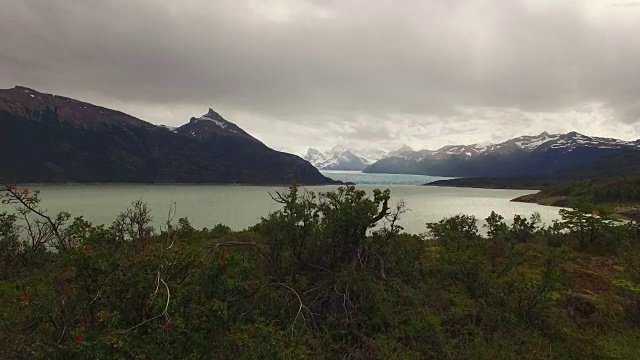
column 385, row 72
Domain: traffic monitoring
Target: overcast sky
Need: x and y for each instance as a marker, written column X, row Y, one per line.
column 364, row 73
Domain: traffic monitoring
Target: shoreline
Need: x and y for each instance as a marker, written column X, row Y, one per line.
column 625, row 212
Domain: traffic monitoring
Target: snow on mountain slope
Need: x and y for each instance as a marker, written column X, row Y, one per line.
column 347, row 158
column 217, row 122
column 370, row 155
column 544, row 141
column 525, row 155
column 401, row 150
column 337, row 158
column 315, row 157
column 341, row 157
column 210, row 124
column 344, row 161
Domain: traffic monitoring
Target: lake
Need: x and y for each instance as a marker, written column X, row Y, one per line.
column 242, row 206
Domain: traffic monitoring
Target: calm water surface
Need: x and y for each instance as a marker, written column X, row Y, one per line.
column 242, row 206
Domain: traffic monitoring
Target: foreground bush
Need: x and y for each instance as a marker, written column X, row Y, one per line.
column 327, row 276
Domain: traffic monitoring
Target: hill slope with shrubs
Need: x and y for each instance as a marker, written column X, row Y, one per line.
column 327, row 276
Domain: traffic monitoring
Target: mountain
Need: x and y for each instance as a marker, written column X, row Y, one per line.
column 49, row 138
column 541, row 155
column 401, row 150
column 338, row 158
column 315, row 157
column 336, row 151
column 345, row 161
column 342, row 158
column 212, row 125
column 370, row 155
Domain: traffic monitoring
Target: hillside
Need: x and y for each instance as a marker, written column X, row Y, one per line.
column 541, row 155
column 618, row 192
column 301, row 286
column 49, row 138
column 623, row 164
column 524, row 183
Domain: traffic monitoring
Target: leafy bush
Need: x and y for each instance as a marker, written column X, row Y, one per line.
column 319, row 278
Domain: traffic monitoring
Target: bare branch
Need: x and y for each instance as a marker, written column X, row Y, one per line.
column 383, row 212
column 170, row 216
column 163, row 313
column 300, row 307
column 29, row 202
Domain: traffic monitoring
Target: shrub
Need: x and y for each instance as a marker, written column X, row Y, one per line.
column 523, row 229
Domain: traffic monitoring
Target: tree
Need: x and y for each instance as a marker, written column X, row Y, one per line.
column 45, row 227
column 588, row 223
column 524, row 229
column 346, row 215
column 496, row 226
column 454, row 230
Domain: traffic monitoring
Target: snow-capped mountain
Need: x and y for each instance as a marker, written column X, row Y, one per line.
column 541, row 154
column 336, row 151
column 315, row 157
column 371, row 155
column 401, row 150
column 345, row 161
column 340, row 157
column 209, row 124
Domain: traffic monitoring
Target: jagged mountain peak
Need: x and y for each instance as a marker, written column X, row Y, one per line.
column 212, row 115
column 345, row 160
column 314, row 151
column 337, row 150
column 212, row 124
column 402, row 149
column 315, row 157
column 341, row 157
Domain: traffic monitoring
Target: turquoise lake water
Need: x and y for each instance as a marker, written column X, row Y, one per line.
column 242, row 206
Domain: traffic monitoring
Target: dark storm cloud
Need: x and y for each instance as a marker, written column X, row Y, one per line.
column 362, row 64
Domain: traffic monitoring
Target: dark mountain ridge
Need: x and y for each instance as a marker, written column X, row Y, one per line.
column 541, row 155
column 49, row 138
column 622, row 165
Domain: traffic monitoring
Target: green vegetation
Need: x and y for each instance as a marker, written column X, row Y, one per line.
column 622, row 191
column 525, row 183
column 624, row 166
column 328, row 276
column 593, row 196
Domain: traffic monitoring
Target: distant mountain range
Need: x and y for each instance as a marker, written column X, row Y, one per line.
column 49, row 138
column 342, row 158
column 541, row 155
